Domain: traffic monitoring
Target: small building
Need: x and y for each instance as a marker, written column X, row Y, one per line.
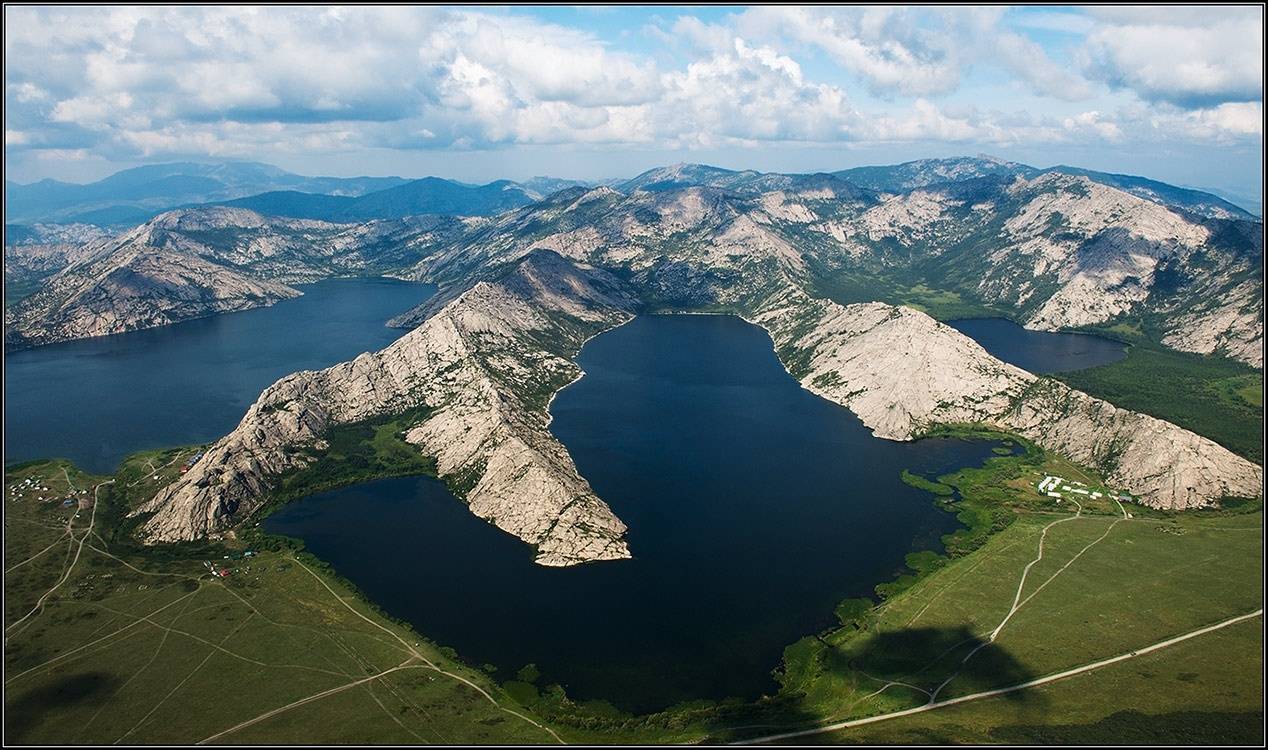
column 1054, row 494
column 1049, row 483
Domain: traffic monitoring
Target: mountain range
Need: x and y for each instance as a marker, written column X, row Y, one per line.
column 134, row 196
column 831, row 265
column 1053, row 250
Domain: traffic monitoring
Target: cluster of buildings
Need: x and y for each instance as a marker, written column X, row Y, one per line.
column 222, row 572
column 191, row 461
column 18, row 490
column 1050, row 485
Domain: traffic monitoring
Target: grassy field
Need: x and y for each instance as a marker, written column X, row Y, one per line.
column 159, row 648
column 1197, row 692
column 1214, row 397
column 109, row 642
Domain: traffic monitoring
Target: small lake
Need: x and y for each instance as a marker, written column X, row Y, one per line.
column 753, row 507
column 1040, row 352
column 97, row 400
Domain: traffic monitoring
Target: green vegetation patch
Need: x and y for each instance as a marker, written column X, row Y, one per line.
column 920, row 483
column 357, row 452
column 1217, row 398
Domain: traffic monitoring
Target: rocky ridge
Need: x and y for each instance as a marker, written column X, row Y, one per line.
column 140, row 288
column 485, row 365
column 902, row 373
column 194, row 263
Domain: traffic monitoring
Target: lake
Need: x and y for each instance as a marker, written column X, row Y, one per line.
column 97, row 400
column 1040, row 352
column 753, row 507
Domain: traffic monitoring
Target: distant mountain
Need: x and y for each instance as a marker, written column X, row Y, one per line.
column 136, row 195
column 901, row 178
column 686, row 175
column 1253, row 203
column 747, row 182
column 544, row 186
column 430, row 195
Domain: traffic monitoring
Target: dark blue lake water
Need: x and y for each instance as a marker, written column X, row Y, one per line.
column 753, row 507
column 1040, row 352
column 98, row 400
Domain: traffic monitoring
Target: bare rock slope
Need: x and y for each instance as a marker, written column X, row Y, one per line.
column 485, row 365
column 902, row 372
column 143, row 287
column 194, row 263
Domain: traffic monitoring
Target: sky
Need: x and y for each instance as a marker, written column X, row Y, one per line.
column 480, row 93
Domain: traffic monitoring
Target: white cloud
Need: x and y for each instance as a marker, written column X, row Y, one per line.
column 749, row 93
column 124, row 82
column 886, row 46
column 1189, row 57
column 1033, row 66
column 1227, row 121
column 1093, row 122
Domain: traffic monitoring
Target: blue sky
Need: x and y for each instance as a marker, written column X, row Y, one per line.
column 478, row 93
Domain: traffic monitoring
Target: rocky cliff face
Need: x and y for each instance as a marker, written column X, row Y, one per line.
column 1064, row 251
column 486, row 364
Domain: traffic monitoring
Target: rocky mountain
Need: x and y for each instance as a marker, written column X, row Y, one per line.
column 34, row 253
column 135, row 195
column 139, row 287
column 541, row 186
column 1063, row 251
column 1058, row 251
column 189, row 264
column 748, row 182
column 923, row 173
column 902, row 373
column 911, row 175
column 1055, row 251
column 486, row 359
column 485, row 365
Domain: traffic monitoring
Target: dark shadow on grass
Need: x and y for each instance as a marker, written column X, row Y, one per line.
column 1133, row 727
column 920, row 657
column 28, row 710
